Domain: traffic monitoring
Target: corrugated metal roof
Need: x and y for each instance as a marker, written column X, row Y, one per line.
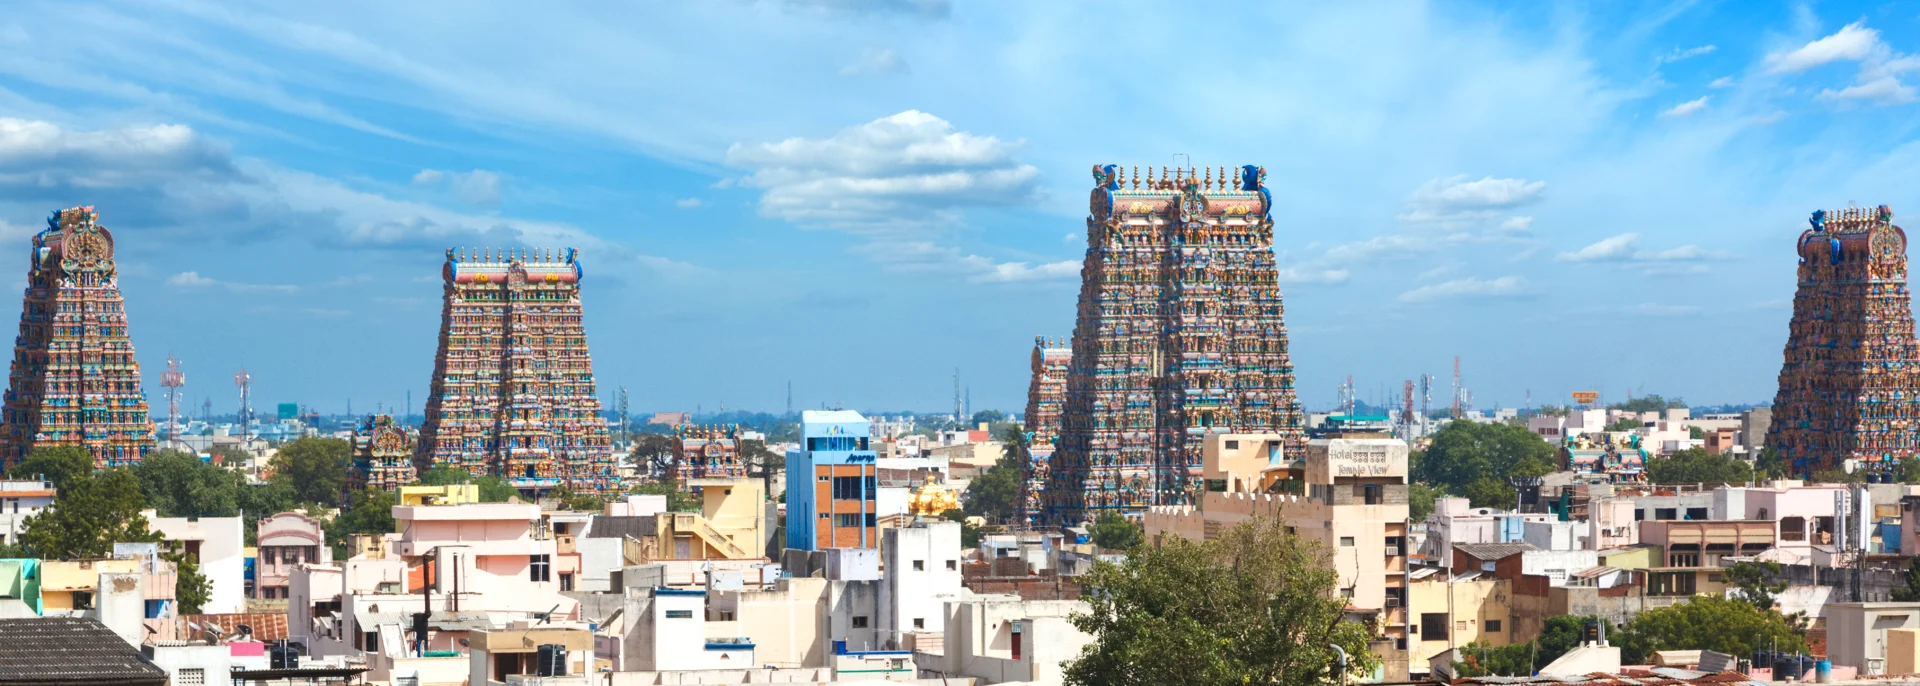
column 1494, row 551
column 69, row 649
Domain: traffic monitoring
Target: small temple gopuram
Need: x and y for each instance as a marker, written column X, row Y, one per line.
column 74, row 381
column 513, row 388
column 1046, row 394
column 1850, row 381
column 704, row 452
column 382, row 455
column 1180, row 332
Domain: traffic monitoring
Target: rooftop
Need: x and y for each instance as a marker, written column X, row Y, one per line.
column 56, row 650
column 1493, row 551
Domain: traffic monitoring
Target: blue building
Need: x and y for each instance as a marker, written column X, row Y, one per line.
column 831, row 483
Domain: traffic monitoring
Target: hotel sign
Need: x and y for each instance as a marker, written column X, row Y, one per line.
column 1585, row 397
column 1382, row 458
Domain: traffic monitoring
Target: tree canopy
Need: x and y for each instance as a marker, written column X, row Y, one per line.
column 1420, row 499
column 1649, row 403
column 315, row 467
column 1707, row 622
column 1697, row 466
column 1115, row 532
column 60, row 465
column 1255, row 606
column 677, row 500
column 1756, row 583
column 178, row 484
column 1464, row 452
column 368, row 511
column 88, row 516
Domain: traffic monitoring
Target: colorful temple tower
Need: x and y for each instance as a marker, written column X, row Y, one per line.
column 1046, row 394
column 702, row 452
column 1180, row 332
column 74, row 380
column 513, row 390
column 1850, row 383
column 382, row 455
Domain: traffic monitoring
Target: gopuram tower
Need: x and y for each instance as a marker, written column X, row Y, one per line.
column 513, row 390
column 1046, row 396
column 1850, row 381
column 1180, row 332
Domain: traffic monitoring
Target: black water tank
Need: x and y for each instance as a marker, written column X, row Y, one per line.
column 282, row 657
column 1787, row 666
column 550, row 660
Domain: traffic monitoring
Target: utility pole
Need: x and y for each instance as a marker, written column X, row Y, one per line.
column 625, row 437
column 957, row 407
column 789, row 397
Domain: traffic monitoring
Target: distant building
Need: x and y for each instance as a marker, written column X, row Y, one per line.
column 20, row 500
column 286, row 540
column 701, row 452
column 1848, row 386
column 75, row 380
column 832, row 492
column 513, row 388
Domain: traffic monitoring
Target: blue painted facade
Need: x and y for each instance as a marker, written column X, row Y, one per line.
column 830, row 439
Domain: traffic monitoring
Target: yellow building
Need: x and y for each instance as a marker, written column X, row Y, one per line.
column 1450, row 611
column 453, row 494
column 72, row 584
column 731, row 525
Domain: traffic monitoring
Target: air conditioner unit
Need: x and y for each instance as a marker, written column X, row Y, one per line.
column 1393, row 602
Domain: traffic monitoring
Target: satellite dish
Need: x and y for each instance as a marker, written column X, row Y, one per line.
column 193, row 626
column 243, row 629
column 1850, row 466
column 464, row 643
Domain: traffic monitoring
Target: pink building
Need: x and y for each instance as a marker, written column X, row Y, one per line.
column 286, row 540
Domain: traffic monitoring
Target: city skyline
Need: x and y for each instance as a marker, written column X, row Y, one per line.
column 1565, row 199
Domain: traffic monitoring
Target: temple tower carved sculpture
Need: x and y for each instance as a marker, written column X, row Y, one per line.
column 513, row 388
column 1850, row 380
column 1046, row 395
column 1180, row 331
column 74, row 381
column 382, row 455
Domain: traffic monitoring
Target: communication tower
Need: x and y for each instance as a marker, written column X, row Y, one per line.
column 1459, row 392
column 244, row 382
column 173, row 379
column 1406, row 410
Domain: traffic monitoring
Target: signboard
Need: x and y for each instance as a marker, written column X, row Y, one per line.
column 289, row 410
column 1367, row 458
column 1585, row 397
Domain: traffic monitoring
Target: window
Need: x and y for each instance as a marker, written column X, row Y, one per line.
column 826, row 515
column 919, row 565
column 566, row 582
column 370, row 641
column 1233, row 445
column 860, row 622
column 1433, row 625
column 872, row 518
column 952, row 565
column 1683, row 559
column 919, row 623
column 846, row 488
column 1346, row 541
column 1639, row 515
column 679, row 614
column 850, row 521
column 1793, row 529
column 1665, row 513
column 1370, row 494
column 1696, row 513
column 1396, row 596
column 190, row 676
column 540, row 567
column 1393, row 546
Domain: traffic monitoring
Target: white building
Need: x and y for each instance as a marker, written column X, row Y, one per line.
column 667, row 631
column 923, row 573
column 999, row 639
column 219, row 543
column 20, row 499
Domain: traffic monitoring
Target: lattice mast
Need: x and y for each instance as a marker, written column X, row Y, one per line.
column 173, row 380
column 1180, row 331
column 244, row 381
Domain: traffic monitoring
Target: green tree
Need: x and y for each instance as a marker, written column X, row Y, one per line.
column 61, row 465
column 229, row 456
column 1491, row 492
column 1911, row 592
column 88, row 517
column 1707, row 622
column 652, row 453
column 191, row 590
column 1480, row 659
column 1697, row 466
column 1770, row 465
column 989, row 417
column 368, row 511
column 1420, row 499
column 969, row 534
column 315, row 467
column 1464, row 452
column 1115, row 532
column 572, row 500
column 178, row 484
column 1696, row 433
column 1255, row 606
column 1839, row 476
column 1649, row 403
column 994, row 494
column 1561, row 634
column 1756, row 583
column 762, row 461
column 1625, row 424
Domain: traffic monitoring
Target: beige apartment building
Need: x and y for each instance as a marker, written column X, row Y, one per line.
column 1348, row 492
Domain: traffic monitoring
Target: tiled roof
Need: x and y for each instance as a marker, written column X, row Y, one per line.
column 621, row 527
column 1658, row 676
column 69, row 650
column 267, row 626
column 1493, row 551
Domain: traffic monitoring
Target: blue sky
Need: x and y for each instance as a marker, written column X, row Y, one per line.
column 859, row 197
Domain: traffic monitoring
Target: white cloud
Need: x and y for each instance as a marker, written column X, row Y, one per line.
column 193, row 280
column 1722, row 82
column 1469, row 287
column 901, row 182
column 1517, row 225
column 688, row 203
column 1686, row 108
column 478, row 187
column 1679, row 54
column 1311, row 274
column 1454, row 202
column 1388, row 247
column 1626, row 248
column 1853, row 43
column 881, row 61
column 45, row 156
column 1885, row 90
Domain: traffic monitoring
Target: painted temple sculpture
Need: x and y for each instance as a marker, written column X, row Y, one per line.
column 1850, row 381
column 74, row 381
column 513, row 389
column 1046, row 394
column 701, row 452
column 382, row 455
column 1621, row 460
column 1180, row 331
